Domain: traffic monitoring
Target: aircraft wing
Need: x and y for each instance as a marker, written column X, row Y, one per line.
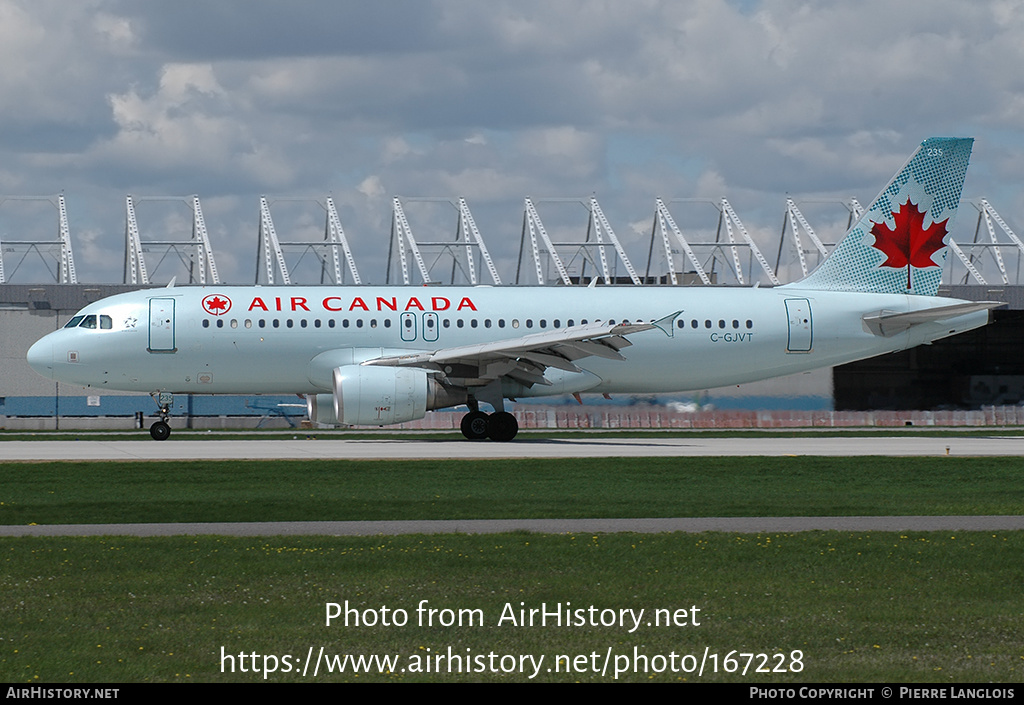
column 525, row 359
column 889, row 323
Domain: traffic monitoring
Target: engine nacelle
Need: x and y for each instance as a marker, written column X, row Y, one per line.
column 320, row 408
column 378, row 396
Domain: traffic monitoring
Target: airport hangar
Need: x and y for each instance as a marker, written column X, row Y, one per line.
column 969, row 371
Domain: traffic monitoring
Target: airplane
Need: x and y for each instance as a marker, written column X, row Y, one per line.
column 370, row 355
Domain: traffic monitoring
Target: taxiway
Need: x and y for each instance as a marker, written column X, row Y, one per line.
column 303, row 447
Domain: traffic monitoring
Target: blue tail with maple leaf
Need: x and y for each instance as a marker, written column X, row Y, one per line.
column 899, row 245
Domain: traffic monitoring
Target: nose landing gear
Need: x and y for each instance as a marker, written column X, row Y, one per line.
column 161, row 430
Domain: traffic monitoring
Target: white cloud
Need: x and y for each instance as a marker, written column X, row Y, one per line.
column 117, row 32
column 371, row 187
column 494, row 101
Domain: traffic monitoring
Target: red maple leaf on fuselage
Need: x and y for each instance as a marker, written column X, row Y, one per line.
column 216, row 305
column 909, row 243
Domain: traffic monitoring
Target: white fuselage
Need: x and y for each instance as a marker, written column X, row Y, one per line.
column 287, row 340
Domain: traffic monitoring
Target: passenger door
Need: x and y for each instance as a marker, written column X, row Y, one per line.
column 161, row 326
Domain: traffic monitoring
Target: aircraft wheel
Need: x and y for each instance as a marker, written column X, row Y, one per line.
column 502, row 426
column 160, row 431
column 474, row 425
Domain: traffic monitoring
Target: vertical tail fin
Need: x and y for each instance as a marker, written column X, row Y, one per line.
column 899, row 245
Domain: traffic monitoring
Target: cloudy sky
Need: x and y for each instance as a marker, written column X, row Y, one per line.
column 492, row 101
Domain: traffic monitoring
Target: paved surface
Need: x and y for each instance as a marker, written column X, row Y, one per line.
column 303, row 448
column 749, row 525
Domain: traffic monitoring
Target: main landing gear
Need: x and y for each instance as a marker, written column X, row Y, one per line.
column 161, row 430
column 500, row 426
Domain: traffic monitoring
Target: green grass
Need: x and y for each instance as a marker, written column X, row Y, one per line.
column 101, row 492
column 861, row 607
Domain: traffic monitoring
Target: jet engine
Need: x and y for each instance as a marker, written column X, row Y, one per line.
column 378, row 396
column 320, row 408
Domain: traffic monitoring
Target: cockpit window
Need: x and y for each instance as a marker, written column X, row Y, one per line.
column 105, row 322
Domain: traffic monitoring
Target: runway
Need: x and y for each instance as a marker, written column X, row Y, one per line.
column 303, row 448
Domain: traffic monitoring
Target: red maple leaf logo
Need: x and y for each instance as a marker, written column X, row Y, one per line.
column 909, row 243
column 216, row 305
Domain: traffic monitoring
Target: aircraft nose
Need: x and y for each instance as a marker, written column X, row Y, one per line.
column 40, row 357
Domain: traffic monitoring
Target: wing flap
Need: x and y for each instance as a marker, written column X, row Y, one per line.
column 525, row 358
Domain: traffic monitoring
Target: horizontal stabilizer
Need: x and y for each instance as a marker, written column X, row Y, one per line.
column 889, row 323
